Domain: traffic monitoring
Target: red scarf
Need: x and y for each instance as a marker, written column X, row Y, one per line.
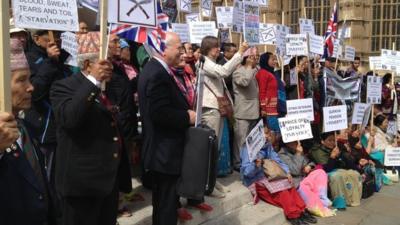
column 187, row 89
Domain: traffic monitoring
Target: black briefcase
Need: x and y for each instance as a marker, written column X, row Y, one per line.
column 199, row 170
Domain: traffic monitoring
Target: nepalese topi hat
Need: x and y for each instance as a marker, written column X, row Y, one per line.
column 17, row 56
column 13, row 28
column 89, row 47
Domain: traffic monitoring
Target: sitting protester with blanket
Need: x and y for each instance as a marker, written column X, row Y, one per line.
column 279, row 191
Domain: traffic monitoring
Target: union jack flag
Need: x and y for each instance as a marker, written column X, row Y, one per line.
column 330, row 34
column 154, row 37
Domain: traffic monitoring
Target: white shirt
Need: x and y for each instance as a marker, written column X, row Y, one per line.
column 92, row 79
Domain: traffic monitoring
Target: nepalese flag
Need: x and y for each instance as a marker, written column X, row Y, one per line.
column 154, row 37
column 330, row 34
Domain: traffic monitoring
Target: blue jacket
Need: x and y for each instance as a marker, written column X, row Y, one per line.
column 249, row 172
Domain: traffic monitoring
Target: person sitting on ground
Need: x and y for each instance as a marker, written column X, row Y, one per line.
column 280, row 193
column 310, row 182
column 344, row 181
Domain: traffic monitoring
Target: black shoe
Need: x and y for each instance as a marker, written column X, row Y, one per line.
column 307, row 217
column 297, row 221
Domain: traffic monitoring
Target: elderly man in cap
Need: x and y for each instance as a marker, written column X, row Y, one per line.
column 23, row 182
column 92, row 161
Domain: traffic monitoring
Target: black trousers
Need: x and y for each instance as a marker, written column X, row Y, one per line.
column 90, row 210
column 165, row 199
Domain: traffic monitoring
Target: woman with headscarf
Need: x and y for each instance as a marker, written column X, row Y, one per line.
column 268, row 90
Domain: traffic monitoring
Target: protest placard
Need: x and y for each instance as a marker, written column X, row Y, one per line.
column 255, row 140
column 392, row 128
column 375, row 63
column 267, row 34
column 374, row 89
column 349, row 53
column 295, row 128
column 390, row 60
column 224, row 36
column 206, row 8
column 59, row 15
column 302, row 107
column 251, row 22
column 293, row 77
column 198, row 30
column 134, row 12
column 338, row 49
column 69, row 43
column 281, row 33
column 263, row 3
column 358, row 112
column 182, row 29
column 346, row 33
column 224, row 16
column 169, row 7
column 366, row 118
column 194, row 17
column 392, row 156
column 306, row 26
column 185, row 6
column 296, row 44
column 316, row 44
column 335, row 118
column 238, row 19
column 90, row 4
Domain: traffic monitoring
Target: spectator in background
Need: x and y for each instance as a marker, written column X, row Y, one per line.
column 18, row 33
column 83, row 28
column 228, row 51
column 353, row 71
column 388, row 97
column 189, row 56
column 196, row 52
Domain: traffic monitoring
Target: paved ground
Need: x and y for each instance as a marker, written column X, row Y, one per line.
column 382, row 208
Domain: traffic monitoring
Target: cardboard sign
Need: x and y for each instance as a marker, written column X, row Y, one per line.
column 238, row 19
column 134, row 12
column 306, row 26
column 185, row 6
column 392, row 156
column 375, row 63
column 374, row 89
column 358, row 112
column 303, row 107
column 255, row 140
column 335, row 118
column 338, row 49
column 194, row 17
column 296, row 44
column 182, row 29
column 281, row 33
column 59, row 15
column 224, row 17
column 198, row 30
column 69, row 43
column 295, row 129
column 267, row 34
column 390, row 60
column 251, row 22
column 316, row 44
column 349, row 53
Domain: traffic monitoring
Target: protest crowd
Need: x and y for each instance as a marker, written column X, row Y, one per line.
column 306, row 134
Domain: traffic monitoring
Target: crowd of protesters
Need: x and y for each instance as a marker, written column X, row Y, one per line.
column 68, row 145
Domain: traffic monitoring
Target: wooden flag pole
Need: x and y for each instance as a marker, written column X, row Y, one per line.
column 282, row 58
column 103, row 34
column 372, row 108
column 5, row 73
column 51, row 36
column 297, row 77
column 393, row 72
column 265, row 20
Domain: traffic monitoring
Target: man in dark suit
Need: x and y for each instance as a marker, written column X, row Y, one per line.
column 166, row 117
column 24, row 194
column 92, row 161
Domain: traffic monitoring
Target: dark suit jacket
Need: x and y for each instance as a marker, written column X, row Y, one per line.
column 24, row 199
column 89, row 154
column 165, row 119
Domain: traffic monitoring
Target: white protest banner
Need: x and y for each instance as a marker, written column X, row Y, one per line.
column 392, row 128
column 338, row 49
column 335, row 118
column 390, row 60
column 267, row 34
column 90, row 4
column 251, row 22
column 206, row 8
column 238, row 19
column 349, row 53
column 303, row 107
column 182, row 29
column 392, row 156
column 306, row 26
column 358, row 112
column 296, row 44
column 316, row 44
column 346, row 33
column 295, row 128
column 374, row 89
column 281, row 33
column 375, row 63
column 69, row 43
column 185, row 6
column 224, row 36
column 134, row 12
column 263, row 3
column 198, row 30
column 255, row 140
column 224, row 16
column 293, row 77
column 59, row 15
column 194, row 17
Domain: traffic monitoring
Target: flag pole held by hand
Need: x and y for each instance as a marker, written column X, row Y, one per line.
column 103, row 34
column 5, row 77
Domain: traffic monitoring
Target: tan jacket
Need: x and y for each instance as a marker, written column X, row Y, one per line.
column 213, row 76
column 245, row 89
